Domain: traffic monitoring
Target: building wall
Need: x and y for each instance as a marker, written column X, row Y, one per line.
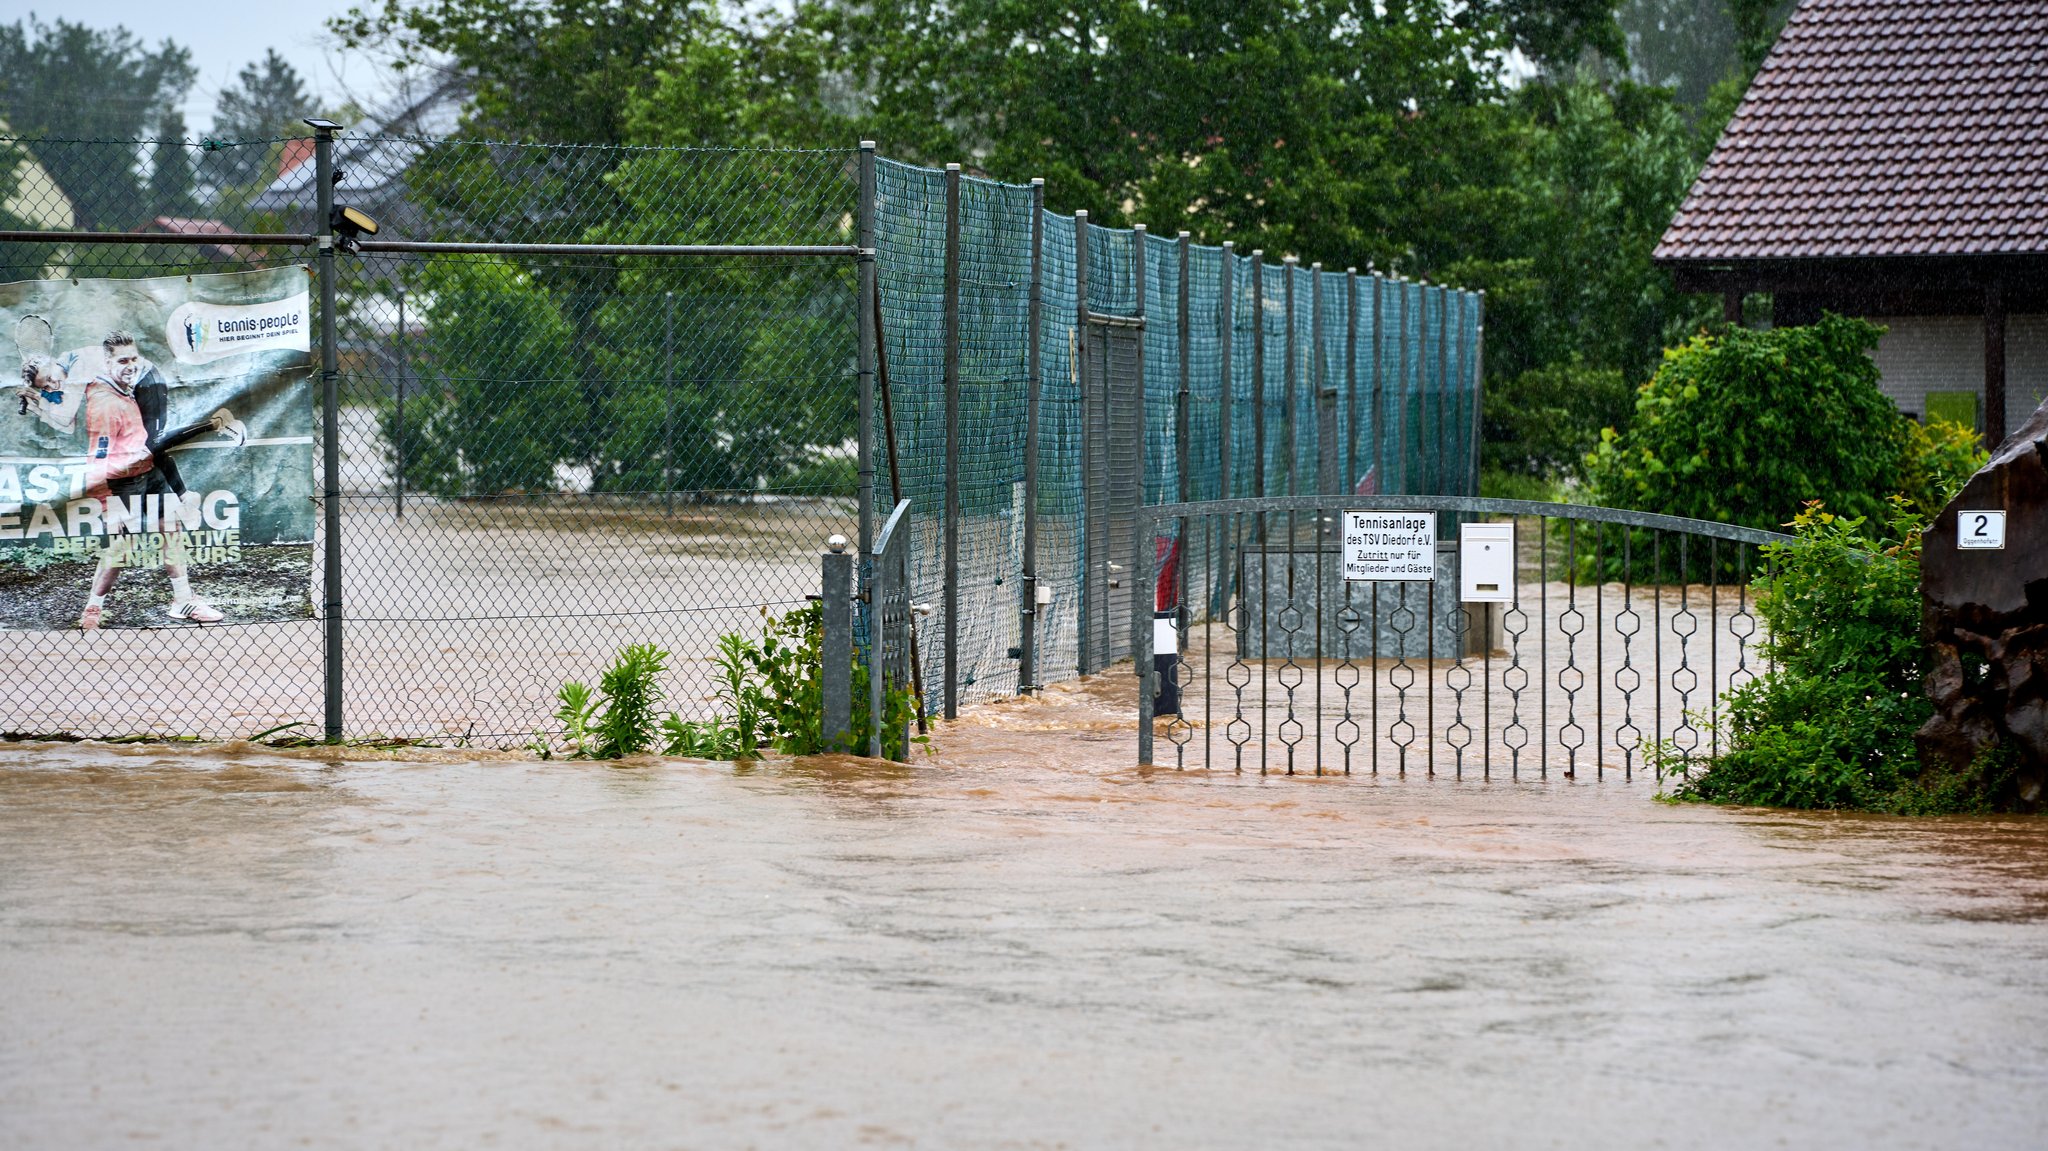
column 1922, row 354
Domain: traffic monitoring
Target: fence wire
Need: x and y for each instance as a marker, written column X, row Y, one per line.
column 545, row 457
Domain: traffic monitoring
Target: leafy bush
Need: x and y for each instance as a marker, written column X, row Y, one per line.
column 1941, row 456
column 770, row 693
column 1745, row 426
column 1831, row 724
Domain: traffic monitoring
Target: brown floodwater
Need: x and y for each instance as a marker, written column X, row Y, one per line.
column 1023, row 942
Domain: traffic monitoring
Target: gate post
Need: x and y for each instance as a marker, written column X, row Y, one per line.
column 952, row 385
column 330, row 426
column 836, row 654
column 1027, row 647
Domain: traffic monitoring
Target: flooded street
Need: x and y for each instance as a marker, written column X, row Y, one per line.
column 1023, row 942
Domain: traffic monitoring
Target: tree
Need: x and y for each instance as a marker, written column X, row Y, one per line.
column 264, row 105
column 70, row 82
column 170, row 170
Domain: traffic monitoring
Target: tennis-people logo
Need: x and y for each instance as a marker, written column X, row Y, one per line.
column 200, row 333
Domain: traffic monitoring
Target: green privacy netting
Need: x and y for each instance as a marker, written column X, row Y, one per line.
column 1354, row 381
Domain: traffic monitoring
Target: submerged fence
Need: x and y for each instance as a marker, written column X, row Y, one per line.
column 576, row 398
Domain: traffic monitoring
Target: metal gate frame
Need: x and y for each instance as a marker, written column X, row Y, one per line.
column 1528, row 672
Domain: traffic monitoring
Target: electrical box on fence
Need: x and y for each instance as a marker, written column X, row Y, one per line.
column 1486, row 563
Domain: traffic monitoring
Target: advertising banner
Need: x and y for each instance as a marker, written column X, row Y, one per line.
column 156, row 451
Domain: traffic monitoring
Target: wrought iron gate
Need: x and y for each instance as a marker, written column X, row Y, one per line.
column 1112, row 483
column 1615, row 631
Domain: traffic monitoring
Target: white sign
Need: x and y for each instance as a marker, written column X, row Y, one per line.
column 1165, row 636
column 200, row 333
column 1486, row 563
column 1980, row 530
column 1389, row 546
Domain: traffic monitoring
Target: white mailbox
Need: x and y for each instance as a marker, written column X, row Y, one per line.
column 1486, row 563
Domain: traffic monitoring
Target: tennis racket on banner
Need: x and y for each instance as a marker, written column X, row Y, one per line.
column 36, row 340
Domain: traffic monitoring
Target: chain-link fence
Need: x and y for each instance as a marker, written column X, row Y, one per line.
column 587, row 397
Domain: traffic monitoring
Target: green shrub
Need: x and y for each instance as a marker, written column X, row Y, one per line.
column 1745, row 426
column 770, row 693
column 621, row 717
column 1831, row 724
column 1941, row 456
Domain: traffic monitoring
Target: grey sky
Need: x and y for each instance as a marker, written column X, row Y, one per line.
column 224, row 38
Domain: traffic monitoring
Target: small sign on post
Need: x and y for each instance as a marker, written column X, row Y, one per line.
column 1381, row 547
column 1980, row 530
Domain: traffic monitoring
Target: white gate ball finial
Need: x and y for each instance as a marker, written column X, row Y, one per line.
column 836, row 542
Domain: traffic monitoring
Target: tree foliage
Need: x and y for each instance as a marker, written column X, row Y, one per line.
column 68, row 81
column 265, row 104
column 1745, row 426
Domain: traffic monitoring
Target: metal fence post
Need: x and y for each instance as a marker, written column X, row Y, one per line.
column 1258, row 372
column 1142, row 557
column 867, row 335
column 836, row 654
column 1081, row 353
column 1350, row 379
column 1478, row 372
column 952, row 386
column 1027, row 664
column 1182, row 394
column 668, row 403
column 1226, row 326
column 1379, row 415
column 330, row 427
column 398, row 412
column 1442, row 372
column 1326, row 394
column 1290, row 377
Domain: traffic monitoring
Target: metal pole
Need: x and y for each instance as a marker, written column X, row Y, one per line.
column 864, row 368
column 1290, row 378
column 1379, row 421
column 1183, row 393
column 951, row 369
column 1143, row 549
column 866, row 346
column 1258, row 372
column 398, row 412
column 1226, row 323
column 668, row 403
column 1326, row 393
column 1350, row 379
column 1424, row 371
column 1478, row 373
column 330, row 428
column 1088, row 557
column 1442, row 371
column 836, row 673
column 1027, row 664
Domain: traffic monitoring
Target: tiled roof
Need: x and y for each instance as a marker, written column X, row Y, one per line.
column 1883, row 128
